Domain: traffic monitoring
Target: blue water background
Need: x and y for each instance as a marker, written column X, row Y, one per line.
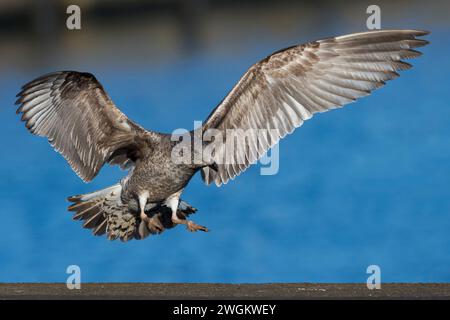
column 367, row 184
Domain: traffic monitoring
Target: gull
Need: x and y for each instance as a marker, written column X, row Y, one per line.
column 274, row 96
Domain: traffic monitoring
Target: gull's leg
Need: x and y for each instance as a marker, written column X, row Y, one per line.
column 172, row 202
column 142, row 202
column 154, row 225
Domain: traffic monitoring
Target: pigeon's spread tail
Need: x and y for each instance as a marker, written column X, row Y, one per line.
column 103, row 212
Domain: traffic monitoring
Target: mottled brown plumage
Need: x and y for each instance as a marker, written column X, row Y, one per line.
column 280, row 92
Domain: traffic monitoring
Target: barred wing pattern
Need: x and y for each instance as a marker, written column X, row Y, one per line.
column 289, row 86
column 80, row 121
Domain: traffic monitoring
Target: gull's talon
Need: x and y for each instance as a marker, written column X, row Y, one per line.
column 193, row 227
column 155, row 225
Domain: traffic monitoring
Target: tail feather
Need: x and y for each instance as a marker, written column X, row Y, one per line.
column 101, row 228
column 94, row 221
column 103, row 212
column 94, row 208
column 86, row 211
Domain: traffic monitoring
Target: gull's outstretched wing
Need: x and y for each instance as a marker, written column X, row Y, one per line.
column 80, row 121
column 289, row 86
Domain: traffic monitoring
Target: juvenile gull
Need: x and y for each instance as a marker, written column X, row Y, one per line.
column 278, row 93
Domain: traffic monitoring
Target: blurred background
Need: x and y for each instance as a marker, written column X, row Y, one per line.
column 364, row 185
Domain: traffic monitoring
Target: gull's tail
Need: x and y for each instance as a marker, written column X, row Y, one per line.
column 103, row 212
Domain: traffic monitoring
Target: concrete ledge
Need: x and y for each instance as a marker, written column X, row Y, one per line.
column 224, row 291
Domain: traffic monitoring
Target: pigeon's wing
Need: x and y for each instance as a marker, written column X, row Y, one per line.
column 289, row 86
column 80, row 121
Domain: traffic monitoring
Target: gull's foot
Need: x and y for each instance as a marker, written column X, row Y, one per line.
column 154, row 225
column 192, row 226
column 144, row 217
